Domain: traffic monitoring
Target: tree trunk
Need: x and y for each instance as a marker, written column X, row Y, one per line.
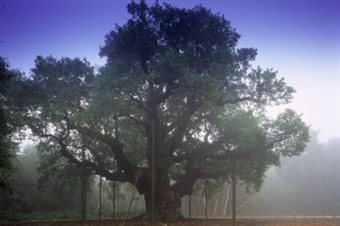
column 167, row 204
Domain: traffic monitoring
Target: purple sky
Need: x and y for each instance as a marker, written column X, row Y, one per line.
column 300, row 39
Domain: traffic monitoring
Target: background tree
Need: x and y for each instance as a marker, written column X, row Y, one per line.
column 7, row 128
column 307, row 182
column 174, row 85
column 44, row 187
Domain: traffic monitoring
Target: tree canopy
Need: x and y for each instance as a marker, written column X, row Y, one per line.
column 175, row 87
column 7, row 128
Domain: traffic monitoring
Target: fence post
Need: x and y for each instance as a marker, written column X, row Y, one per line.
column 190, row 206
column 114, row 200
column 100, row 198
column 83, row 188
column 206, row 198
column 153, row 174
column 233, row 191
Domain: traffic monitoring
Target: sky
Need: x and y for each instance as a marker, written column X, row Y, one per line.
column 298, row 38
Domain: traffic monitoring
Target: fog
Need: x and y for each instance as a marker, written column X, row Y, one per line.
column 176, row 109
column 305, row 185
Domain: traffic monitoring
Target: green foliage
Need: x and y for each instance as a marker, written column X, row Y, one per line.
column 175, row 83
column 289, row 125
column 7, row 128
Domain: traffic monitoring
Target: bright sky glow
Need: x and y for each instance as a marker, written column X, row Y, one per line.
column 299, row 39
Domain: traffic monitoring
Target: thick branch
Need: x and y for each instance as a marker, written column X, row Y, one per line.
column 116, row 176
column 105, row 138
column 116, row 148
column 215, row 152
column 181, row 124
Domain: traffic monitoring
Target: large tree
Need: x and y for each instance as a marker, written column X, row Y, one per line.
column 175, row 89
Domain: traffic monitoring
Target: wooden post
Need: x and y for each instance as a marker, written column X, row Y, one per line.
column 114, row 182
column 82, row 203
column 153, row 174
column 114, row 200
column 189, row 206
column 83, row 188
column 100, row 198
column 180, row 206
column 206, row 198
column 233, row 191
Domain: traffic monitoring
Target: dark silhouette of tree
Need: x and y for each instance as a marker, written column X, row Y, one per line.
column 7, row 152
column 175, row 85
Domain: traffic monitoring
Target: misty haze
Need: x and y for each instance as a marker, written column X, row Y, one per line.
column 169, row 112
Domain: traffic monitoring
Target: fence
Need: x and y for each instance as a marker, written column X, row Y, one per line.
column 196, row 222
